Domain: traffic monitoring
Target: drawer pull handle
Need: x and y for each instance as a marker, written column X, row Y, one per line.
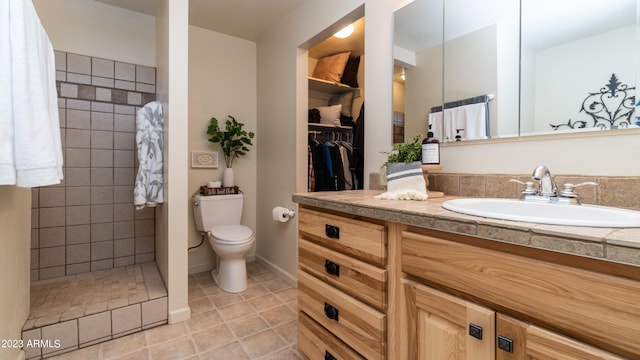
column 505, row 343
column 328, row 356
column 331, row 268
column 331, row 312
column 332, row 232
column 475, row 331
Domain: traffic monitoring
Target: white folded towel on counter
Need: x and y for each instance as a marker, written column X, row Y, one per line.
column 31, row 151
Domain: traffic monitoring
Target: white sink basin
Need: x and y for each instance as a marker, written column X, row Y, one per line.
column 546, row 213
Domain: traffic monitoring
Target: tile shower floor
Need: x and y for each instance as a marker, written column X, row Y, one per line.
column 85, row 309
column 259, row 323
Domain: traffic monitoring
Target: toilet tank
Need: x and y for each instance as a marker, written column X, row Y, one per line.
column 216, row 210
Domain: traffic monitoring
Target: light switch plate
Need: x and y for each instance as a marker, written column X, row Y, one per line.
column 204, row 159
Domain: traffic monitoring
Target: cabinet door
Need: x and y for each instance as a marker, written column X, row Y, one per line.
column 442, row 326
column 529, row 342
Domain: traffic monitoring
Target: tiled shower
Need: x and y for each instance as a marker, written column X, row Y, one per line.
column 89, row 222
column 92, row 253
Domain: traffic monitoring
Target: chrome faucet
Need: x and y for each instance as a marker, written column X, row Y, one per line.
column 547, row 187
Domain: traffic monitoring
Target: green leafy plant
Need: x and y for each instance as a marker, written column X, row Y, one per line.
column 406, row 151
column 234, row 140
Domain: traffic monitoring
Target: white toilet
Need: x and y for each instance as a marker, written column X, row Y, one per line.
column 219, row 216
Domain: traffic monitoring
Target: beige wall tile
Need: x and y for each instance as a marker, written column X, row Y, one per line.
column 472, row 185
column 154, row 311
column 65, row 332
column 35, row 334
column 126, row 319
column 94, row 328
column 125, row 71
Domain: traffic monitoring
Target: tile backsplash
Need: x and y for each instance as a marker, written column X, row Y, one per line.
column 89, row 222
column 621, row 192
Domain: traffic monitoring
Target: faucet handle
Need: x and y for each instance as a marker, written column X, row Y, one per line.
column 568, row 189
column 529, row 188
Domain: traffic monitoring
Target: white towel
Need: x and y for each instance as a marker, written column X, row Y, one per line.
column 31, row 151
column 435, row 120
column 405, row 182
column 148, row 190
column 471, row 118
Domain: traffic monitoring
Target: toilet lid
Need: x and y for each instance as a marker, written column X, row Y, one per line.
column 231, row 233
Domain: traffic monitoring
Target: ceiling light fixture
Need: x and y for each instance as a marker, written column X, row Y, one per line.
column 345, row 32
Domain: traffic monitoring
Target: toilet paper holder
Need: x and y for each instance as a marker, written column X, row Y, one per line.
column 283, row 214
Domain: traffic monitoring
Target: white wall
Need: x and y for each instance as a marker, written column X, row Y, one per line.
column 559, row 93
column 96, row 29
column 15, row 222
column 222, row 81
column 173, row 217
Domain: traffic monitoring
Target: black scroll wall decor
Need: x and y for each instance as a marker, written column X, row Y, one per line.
column 611, row 107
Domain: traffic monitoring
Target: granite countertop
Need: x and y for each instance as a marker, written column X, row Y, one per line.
column 611, row 244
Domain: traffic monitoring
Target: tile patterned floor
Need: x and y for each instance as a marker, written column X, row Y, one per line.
column 259, row 323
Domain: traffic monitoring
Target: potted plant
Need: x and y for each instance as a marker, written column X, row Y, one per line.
column 234, row 141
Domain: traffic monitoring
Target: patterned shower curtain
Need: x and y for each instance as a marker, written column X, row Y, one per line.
column 148, row 190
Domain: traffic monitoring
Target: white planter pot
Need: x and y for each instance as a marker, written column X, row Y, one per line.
column 228, row 178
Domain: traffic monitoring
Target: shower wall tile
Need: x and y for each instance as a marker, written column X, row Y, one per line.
column 52, row 196
column 79, row 64
column 50, row 257
column 78, row 195
column 124, row 122
column 102, row 176
column 78, row 215
column 102, row 67
column 101, row 120
column 123, row 230
column 79, row 176
column 78, row 119
column 77, row 138
column 89, row 222
column 78, row 234
column 101, row 232
column 52, row 216
column 124, row 158
column 94, row 328
column 50, row 273
column 146, row 213
column 51, row 237
column 123, row 212
column 80, row 253
column 145, row 74
column 66, row 333
column 125, row 71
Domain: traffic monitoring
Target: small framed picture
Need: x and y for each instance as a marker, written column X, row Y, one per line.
column 204, row 159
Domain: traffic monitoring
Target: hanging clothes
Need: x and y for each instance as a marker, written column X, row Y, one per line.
column 148, row 190
column 30, row 146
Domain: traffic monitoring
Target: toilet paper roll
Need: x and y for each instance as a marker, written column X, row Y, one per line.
column 282, row 214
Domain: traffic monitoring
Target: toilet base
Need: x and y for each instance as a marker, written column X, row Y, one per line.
column 231, row 275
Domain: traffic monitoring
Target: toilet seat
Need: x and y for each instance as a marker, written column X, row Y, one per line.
column 232, row 234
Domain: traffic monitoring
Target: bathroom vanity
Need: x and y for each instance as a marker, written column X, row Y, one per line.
column 382, row 279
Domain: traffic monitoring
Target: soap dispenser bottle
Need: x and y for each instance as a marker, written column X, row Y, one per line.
column 430, row 149
column 458, row 136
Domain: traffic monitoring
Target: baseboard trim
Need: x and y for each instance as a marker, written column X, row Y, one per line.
column 288, row 278
column 178, row 315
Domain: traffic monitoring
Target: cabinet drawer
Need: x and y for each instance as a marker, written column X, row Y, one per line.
column 361, row 239
column 595, row 308
column 316, row 343
column 356, row 278
column 357, row 324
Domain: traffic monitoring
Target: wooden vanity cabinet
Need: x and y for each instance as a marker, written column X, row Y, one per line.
column 342, row 286
column 463, row 301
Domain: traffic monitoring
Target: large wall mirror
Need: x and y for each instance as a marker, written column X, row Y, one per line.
column 503, row 68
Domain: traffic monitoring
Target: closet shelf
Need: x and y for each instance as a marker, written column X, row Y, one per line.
column 325, row 86
column 329, row 126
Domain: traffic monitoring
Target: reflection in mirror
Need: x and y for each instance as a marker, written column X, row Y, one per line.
column 579, row 61
column 481, row 53
column 418, row 34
